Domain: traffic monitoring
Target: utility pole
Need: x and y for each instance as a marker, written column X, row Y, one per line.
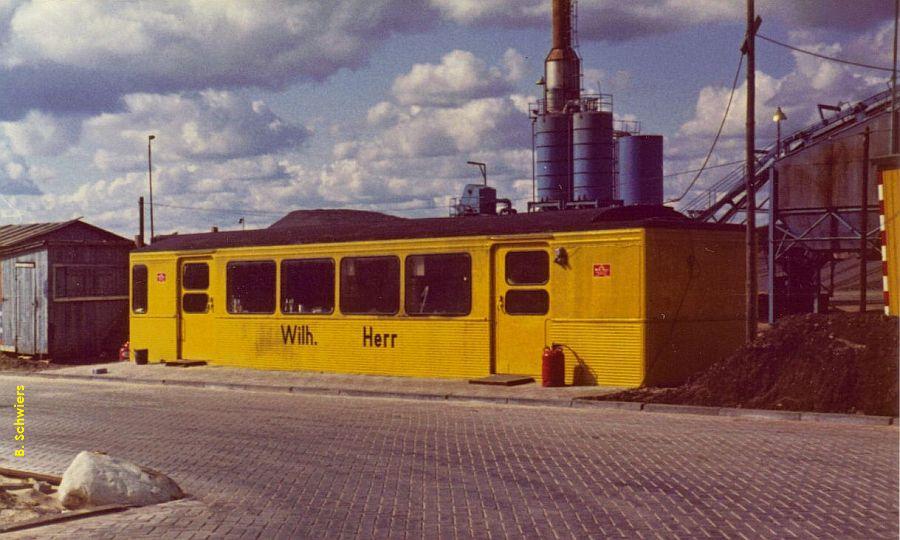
column 749, row 47
column 864, row 224
column 140, row 242
column 150, row 179
column 895, row 137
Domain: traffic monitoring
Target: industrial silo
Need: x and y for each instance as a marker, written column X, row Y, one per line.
column 552, row 147
column 641, row 169
column 593, row 154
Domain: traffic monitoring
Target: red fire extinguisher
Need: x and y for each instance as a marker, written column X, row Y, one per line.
column 553, row 366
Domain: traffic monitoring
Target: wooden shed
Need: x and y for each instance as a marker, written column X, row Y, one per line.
column 63, row 290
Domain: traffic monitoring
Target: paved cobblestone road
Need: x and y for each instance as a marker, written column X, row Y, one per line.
column 286, row 466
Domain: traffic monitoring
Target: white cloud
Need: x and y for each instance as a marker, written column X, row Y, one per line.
column 812, row 81
column 210, row 124
column 40, row 134
column 54, row 53
column 414, row 160
column 460, row 76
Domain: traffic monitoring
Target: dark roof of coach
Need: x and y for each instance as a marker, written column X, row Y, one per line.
column 328, row 226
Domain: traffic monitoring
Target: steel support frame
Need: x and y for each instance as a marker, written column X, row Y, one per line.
column 782, row 239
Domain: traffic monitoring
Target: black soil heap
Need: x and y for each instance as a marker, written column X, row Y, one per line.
column 840, row 362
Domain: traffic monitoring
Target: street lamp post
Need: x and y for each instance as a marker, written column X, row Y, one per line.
column 778, row 117
column 150, row 178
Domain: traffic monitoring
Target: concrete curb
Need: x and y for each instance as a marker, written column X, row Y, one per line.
column 857, row 419
column 574, row 403
column 681, row 409
column 759, row 413
column 594, row 404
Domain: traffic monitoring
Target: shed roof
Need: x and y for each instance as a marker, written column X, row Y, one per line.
column 15, row 237
column 318, row 226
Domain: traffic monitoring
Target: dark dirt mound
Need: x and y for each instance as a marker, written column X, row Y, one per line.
column 840, row 362
column 13, row 363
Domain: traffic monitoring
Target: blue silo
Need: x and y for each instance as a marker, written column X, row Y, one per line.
column 552, row 148
column 593, row 155
column 641, row 169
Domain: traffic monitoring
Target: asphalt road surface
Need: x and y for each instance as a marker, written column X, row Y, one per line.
column 262, row 465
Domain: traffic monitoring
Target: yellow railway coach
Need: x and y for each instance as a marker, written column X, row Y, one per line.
column 633, row 301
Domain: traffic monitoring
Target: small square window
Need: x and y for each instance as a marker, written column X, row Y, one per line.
column 527, row 267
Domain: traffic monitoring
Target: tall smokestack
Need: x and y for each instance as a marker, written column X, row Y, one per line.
column 562, row 69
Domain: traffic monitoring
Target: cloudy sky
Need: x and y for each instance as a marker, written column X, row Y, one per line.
column 263, row 106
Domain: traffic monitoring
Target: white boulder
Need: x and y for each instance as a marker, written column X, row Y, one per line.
column 94, row 479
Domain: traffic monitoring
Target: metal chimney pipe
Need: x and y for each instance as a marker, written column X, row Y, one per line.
column 562, row 69
column 562, row 24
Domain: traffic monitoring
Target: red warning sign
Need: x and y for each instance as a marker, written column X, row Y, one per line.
column 161, row 277
column 602, row 270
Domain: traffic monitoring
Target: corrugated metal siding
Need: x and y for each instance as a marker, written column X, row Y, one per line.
column 891, row 250
column 10, row 235
column 422, row 348
column 601, row 352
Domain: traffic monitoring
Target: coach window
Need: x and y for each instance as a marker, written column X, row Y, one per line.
column 139, row 288
column 195, row 303
column 527, row 302
column 250, row 287
column 195, row 276
column 527, row 267
column 307, row 286
column 439, row 284
column 370, row 285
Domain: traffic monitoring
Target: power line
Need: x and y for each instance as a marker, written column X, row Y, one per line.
column 822, row 56
column 737, row 74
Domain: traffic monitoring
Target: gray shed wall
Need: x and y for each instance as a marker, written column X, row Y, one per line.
column 8, row 306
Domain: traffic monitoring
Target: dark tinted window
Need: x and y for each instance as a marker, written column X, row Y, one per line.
column 194, row 302
column 139, row 288
column 527, row 302
column 527, row 267
column 250, row 287
column 307, row 286
column 438, row 284
column 196, row 276
column 370, row 285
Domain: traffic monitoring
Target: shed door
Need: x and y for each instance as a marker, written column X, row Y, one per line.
column 522, row 306
column 195, row 309
column 26, row 309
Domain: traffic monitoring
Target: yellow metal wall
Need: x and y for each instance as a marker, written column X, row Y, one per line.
column 891, row 193
column 599, row 320
column 649, row 319
column 425, row 346
column 695, row 301
column 156, row 330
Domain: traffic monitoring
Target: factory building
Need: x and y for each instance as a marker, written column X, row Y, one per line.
column 819, row 191
column 581, row 156
column 581, row 159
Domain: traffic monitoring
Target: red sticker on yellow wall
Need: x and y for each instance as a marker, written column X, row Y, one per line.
column 602, row 270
